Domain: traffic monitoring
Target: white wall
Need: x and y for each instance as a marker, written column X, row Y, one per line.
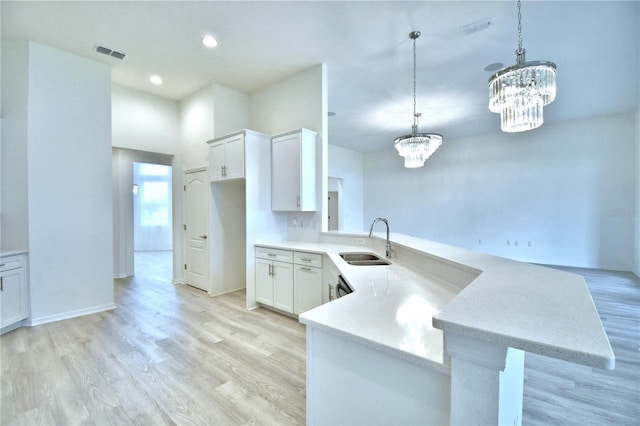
column 69, row 185
column 231, row 110
column 144, row 122
column 347, row 165
column 562, row 187
column 13, row 149
column 196, row 127
column 298, row 101
column 145, row 128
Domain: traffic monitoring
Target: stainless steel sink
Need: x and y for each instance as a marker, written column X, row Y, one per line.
column 363, row 259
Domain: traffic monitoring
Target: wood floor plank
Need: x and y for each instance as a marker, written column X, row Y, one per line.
column 561, row 393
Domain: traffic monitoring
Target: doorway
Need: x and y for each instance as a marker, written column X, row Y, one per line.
column 333, row 219
column 124, row 237
column 334, row 205
column 152, row 214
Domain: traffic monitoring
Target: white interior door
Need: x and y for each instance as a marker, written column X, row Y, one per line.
column 196, row 201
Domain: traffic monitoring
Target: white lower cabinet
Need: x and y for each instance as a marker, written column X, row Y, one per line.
column 13, row 291
column 308, row 281
column 288, row 281
column 283, row 286
column 264, row 281
column 274, row 278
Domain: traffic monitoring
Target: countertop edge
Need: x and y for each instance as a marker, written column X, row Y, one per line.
column 407, row 356
column 577, row 357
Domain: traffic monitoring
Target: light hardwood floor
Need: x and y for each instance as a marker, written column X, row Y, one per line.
column 168, row 355
column 173, row 355
column 561, row 393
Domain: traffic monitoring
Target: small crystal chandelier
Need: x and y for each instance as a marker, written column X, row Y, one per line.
column 520, row 91
column 416, row 147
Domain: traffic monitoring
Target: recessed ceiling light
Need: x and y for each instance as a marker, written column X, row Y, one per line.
column 209, row 41
column 155, row 79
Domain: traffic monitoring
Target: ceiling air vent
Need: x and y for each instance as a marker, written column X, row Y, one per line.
column 109, row 52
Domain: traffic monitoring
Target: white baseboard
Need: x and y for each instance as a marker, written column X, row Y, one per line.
column 71, row 314
column 226, row 291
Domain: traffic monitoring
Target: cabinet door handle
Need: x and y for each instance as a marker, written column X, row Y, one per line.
column 305, row 259
column 271, row 254
column 305, row 268
column 204, row 237
column 1, row 285
column 330, row 290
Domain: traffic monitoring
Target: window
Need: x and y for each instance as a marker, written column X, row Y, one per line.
column 154, row 194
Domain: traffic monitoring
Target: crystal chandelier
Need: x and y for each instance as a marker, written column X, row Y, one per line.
column 416, row 147
column 520, row 92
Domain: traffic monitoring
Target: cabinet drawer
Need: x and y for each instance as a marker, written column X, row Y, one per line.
column 11, row 262
column 309, row 259
column 274, row 254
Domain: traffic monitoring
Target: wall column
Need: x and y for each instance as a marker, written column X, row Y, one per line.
column 486, row 382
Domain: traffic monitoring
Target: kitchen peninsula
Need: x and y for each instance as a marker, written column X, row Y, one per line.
column 439, row 335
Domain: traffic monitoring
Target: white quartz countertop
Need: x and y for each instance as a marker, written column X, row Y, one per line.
column 404, row 310
column 391, row 306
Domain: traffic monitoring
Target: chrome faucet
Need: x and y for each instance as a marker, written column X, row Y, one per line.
column 386, row 222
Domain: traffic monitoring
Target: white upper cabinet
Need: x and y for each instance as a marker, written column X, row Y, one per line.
column 294, row 171
column 226, row 157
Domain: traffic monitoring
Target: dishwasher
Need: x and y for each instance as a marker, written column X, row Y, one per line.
column 343, row 288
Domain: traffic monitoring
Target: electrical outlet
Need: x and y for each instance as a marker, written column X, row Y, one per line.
column 515, row 243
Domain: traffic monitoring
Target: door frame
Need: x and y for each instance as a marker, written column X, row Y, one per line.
column 122, row 174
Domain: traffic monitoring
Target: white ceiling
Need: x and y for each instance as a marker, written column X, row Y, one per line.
column 365, row 44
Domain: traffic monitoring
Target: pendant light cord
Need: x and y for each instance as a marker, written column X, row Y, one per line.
column 414, row 35
column 519, row 26
column 520, row 53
